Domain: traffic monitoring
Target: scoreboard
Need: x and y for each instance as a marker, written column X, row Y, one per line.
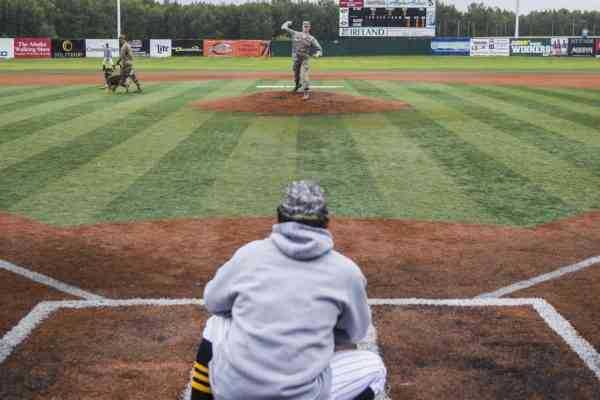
column 387, row 18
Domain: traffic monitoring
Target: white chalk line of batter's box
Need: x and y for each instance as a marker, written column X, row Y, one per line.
column 569, row 269
column 48, row 281
column 555, row 321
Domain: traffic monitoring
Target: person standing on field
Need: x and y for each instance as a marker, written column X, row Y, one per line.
column 126, row 63
column 304, row 46
column 287, row 312
column 107, row 64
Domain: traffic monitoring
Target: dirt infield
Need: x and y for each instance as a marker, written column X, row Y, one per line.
column 578, row 80
column 484, row 353
column 286, row 103
column 130, row 353
column 401, row 259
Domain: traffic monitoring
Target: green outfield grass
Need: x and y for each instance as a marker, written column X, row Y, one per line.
column 481, row 154
column 396, row 63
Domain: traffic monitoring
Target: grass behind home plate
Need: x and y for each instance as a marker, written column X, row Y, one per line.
column 481, row 154
column 325, row 64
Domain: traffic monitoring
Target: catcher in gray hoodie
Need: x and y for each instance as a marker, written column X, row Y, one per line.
column 281, row 307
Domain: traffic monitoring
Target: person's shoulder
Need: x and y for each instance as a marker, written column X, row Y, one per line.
column 252, row 248
column 348, row 266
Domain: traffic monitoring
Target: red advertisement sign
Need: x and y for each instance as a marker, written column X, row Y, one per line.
column 597, row 47
column 33, row 48
column 236, row 48
column 352, row 3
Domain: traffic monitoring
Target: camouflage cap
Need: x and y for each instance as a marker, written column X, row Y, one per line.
column 304, row 200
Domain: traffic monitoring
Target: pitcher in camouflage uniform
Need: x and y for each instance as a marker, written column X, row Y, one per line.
column 126, row 63
column 304, row 45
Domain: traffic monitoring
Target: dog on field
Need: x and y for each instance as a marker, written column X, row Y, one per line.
column 114, row 80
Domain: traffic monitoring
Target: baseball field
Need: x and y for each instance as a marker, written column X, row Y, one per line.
column 468, row 191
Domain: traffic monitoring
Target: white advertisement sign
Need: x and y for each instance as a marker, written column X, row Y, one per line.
column 7, row 49
column 490, row 47
column 160, row 47
column 344, row 12
column 387, row 32
column 560, row 46
column 95, row 47
column 398, row 3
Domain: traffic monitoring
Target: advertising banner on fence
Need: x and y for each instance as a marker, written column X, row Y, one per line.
column 597, row 47
column 186, row 47
column 7, row 48
column 560, row 46
column 530, row 47
column 490, row 47
column 95, row 47
column 140, row 48
column 160, row 48
column 237, row 48
column 68, row 48
column 581, row 47
column 451, row 46
column 33, row 48
column 374, row 31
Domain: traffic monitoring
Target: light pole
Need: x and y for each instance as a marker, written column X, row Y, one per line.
column 517, row 20
column 118, row 18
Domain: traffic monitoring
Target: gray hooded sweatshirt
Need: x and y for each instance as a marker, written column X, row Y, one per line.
column 291, row 298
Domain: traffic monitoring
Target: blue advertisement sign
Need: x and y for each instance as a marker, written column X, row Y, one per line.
column 451, row 46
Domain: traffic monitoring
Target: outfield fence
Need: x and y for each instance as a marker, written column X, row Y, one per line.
column 27, row 47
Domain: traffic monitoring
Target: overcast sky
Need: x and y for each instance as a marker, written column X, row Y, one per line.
column 526, row 5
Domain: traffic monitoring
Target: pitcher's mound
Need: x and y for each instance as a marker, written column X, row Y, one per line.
column 287, row 103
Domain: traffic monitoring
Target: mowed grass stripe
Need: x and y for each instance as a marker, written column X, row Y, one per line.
column 22, row 148
column 474, row 154
column 32, row 125
column 555, row 178
column 16, row 90
column 328, row 153
column 32, row 175
column 574, row 96
column 83, row 193
column 37, row 96
column 49, row 106
column 513, row 107
column 180, row 182
column 576, row 113
column 259, row 168
column 412, row 184
column 46, row 96
column 502, row 117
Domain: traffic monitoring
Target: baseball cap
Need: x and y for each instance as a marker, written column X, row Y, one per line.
column 304, row 200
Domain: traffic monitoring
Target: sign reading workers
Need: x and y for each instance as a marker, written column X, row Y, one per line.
column 95, row 47
column 7, row 48
column 530, row 47
column 33, row 47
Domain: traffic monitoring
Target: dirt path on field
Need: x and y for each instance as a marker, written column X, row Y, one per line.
column 176, row 258
column 573, row 80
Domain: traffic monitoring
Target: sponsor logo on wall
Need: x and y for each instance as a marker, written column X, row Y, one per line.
column 530, row 47
column 160, row 48
column 140, row 48
column 186, row 47
column 68, row 48
column 95, row 47
column 33, row 48
column 7, row 48
column 581, row 47
column 387, row 32
column 560, row 46
column 451, row 46
column 490, row 47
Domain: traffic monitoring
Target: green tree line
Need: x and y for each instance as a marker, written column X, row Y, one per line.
column 258, row 20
